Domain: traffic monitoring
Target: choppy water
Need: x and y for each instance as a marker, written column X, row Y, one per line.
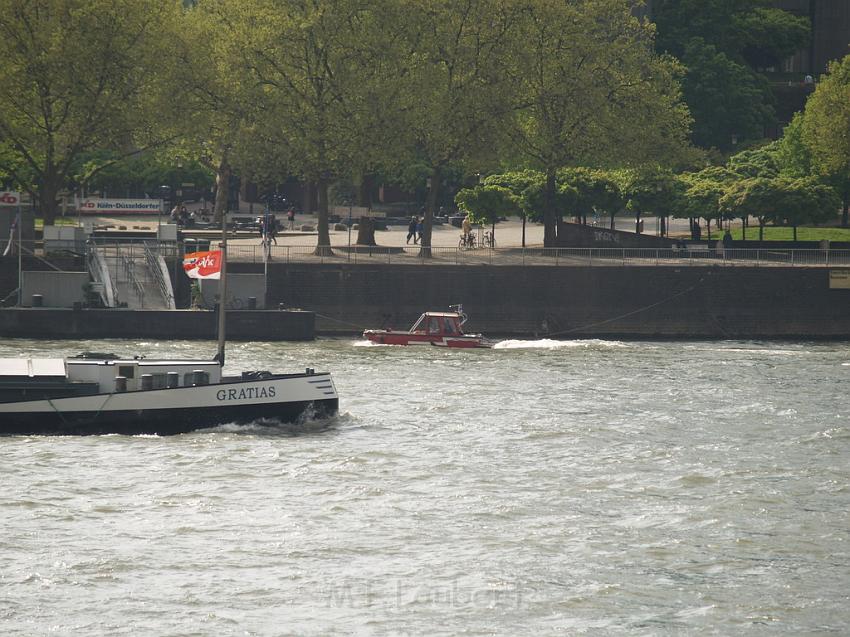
column 540, row 488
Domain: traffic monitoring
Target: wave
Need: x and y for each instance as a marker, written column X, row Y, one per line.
column 549, row 343
column 370, row 344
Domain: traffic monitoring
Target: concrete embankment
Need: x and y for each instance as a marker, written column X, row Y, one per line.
column 691, row 301
column 573, row 302
column 242, row 325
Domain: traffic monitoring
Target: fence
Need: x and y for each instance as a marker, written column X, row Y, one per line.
column 243, row 252
column 542, row 256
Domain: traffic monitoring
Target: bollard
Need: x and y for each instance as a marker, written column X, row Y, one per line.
column 120, row 383
column 147, row 381
column 173, row 380
column 37, row 300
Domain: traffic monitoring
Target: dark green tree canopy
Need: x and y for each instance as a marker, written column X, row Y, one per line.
column 723, row 44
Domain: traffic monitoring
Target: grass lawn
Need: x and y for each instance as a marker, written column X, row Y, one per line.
column 774, row 233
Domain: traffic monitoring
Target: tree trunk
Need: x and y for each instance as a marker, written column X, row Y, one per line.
column 708, row 227
column 366, row 232
column 795, row 231
column 523, row 231
column 744, row 229
column 307, row 196
column 323, row 246
column 549, row 216
column 845, row 207
column 761, row 230
column 222, row 188
column 637, row 222
column 613, row 225
column 364, row 192
column 47, row 199
column 430, row 207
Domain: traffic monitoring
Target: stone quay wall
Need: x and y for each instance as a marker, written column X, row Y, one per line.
column 242, row 325
column 573, row 302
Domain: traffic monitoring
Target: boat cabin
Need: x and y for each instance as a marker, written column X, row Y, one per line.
column 439, row 324
column 139, row 373
column 35, row 378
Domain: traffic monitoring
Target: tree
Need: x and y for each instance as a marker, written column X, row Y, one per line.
column 826, row 130
column 454, row 89
column 315, row 63
column 757, row 197
column 728, row 101
column 781, row 200
column 78, row 76
column 216, row 91
column 597, row 191
column 527, row 188
column 488, row 204
column 590, row 90
column 650, row 190
column 723, row 44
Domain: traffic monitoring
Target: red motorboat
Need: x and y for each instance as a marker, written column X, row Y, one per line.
column 443, row 329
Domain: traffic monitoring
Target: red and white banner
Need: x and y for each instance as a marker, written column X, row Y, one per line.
column 203, row 265
column 10, row 198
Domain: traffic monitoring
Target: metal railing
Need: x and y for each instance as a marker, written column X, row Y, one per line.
column 99, row 272
column 600, row 257
column 159, row 271
column 129, row 270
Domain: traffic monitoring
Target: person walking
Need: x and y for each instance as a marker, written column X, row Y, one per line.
column 411, row 230
column 419, row 229
column 290, row 216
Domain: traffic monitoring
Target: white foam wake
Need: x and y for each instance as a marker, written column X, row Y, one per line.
column 549, row 343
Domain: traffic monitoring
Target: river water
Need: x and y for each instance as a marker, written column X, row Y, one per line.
column 539, row 488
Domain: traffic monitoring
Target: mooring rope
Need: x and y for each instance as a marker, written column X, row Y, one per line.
column 627, row 314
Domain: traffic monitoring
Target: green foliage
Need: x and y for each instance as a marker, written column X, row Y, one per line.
column 140, row 174
column 723, row 43
column 729, row 102
column 792, row 155
column 757, row 162
column 488, row 203
column 527, row 187
column 826, row 130
column 597, row 191
column 780, row 200
column 653, row 190
column 77, row 76
column 701, row 192
column 770, row 35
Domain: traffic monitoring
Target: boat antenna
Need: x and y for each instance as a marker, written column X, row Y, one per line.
column 222, row 287
column 459, row 309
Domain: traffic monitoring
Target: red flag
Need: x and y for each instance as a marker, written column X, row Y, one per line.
column 203, row 265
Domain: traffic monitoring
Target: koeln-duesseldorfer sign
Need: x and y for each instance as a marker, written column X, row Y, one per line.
column 120, row 206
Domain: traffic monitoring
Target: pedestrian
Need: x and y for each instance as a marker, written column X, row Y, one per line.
column 727, row 243
column 175, row 214
column 290, row 216
column 272, row 229
column 411, row 230
column 419, row 229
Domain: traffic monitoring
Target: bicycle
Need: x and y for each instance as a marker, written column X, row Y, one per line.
column 489, row 240
column 466, row 241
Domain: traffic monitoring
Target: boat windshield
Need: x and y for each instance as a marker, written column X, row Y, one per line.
column 419, row 325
